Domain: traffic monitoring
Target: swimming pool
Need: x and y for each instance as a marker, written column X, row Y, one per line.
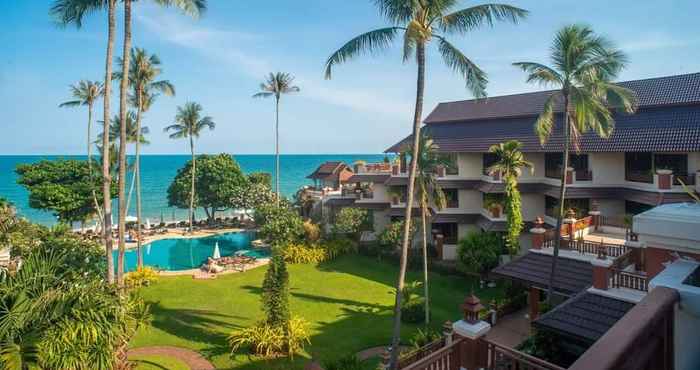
column 188, row 253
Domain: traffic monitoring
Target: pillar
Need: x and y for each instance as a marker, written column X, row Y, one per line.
column 595, row 214
column 472, row 354
column 569, row 175
column 538, row 233
column 439, row 243
column 601, row 273
column 395, row 169
column 570, row 223
column 534, row 303
column 664, row 179
column 402, row 163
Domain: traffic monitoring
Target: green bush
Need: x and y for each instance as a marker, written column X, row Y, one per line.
column 349, row 362
column 423, row 338
column 279, row 224
column 413, row 310
column 301, row 253
column 350, row 220
column 479, row 252
column 266, row 340
column 392, row 236
column 339, row 246
column 143, row 276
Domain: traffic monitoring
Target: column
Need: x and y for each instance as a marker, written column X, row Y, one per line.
column 538, row 233
column 534, row 303
column 471, row 355
column 601, row 273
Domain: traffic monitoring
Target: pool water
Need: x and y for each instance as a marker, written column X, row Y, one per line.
column 184, row 254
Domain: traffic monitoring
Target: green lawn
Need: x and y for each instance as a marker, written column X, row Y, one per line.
column 348, row 302
column 158, row 363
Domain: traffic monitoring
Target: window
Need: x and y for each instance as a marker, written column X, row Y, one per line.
column 553, row 163
column 451, row 198
column 452, row 160
column 488, row 160
column 448, row 230
column 639, row 167
column 580, row 206
column 678, row 163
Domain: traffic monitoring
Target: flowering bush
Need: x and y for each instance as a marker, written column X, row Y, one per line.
column 349, row 220
column 143, row 276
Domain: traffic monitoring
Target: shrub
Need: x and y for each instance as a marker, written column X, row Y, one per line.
column 280, row 225
column 350, row 220
column 312, row 233
column 349, row 362
column 339, row 246
column 275, row 295
column 423, row 338
column 478, row 252
column 268, row 340
column 143, row 276
column 392, row 236
column 413, row 310
column 300, row 253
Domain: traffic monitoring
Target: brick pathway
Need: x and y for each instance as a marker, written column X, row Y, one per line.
column 193, row 359
column 510, row 330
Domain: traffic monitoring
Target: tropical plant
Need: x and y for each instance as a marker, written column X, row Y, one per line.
column 303, row 253
column 348, row 362
column 350, row 220
column 428, row 190
column 189, row 124
column 268, row 340
column 216, row 181
column 392, row 235
column 509, row 164
column 312, row 232
column 478, row 252
column 143, row 276
column 86, row 93
column 413, row 305
column 143, row 72
column 276, row 85
column 584, row 66
column 418, row 21
column 280, row 225
column 67, row 12
column 275, row 292
column 424, row 337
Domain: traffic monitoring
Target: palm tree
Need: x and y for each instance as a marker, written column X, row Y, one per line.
column 428, row 189
column 510, row 164
column 191, row 7
column 143, row 72
column 189, row 123
column 72, row 12
column 277, row 84
column 417, row 21
column 86, row 93
column 584, row 65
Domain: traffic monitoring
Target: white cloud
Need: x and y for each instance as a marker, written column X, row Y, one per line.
column 224, row 46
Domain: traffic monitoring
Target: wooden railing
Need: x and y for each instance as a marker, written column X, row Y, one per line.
column 626, row 279
column 445, row 358
column 499, row 357
column 597, row 248
column 415, row 355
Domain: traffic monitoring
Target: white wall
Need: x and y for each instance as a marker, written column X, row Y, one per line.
column 537, row 160
column 470, row 201
column 380, row 193
column 608, row 168
column 470, row 164
column 532, row 206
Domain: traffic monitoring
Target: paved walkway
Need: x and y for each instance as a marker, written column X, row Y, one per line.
column 193, row 359
column 510, row 330
column 374, row 352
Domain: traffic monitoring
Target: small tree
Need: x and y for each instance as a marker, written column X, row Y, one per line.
column 279, row 224
column 393, row 234
column 350, row 220
column 275, row 297
column 478, row 252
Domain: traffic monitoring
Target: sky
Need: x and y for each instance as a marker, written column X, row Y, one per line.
column 220, row 60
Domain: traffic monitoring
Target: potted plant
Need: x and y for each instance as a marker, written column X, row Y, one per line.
column 496, row 209
column 395, row 196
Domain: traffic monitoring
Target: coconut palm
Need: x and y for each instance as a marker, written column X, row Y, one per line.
column 509, row 165
column 86, row 93
column 189, row 124
column 276, row 85
column 67, row 12
column 419, row 23
column 143, row 72
column 584, row 66
column 428, row 190
column 190, row 7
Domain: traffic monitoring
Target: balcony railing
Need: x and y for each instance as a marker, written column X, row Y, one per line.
column 500, row 357
column 584, row 175
column 552, row 173
column 639, row 176
column 380, row 167
column 626, row 279
column 685, row 178
column 445, row 358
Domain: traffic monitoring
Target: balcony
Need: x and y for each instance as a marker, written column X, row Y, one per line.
column 639, row 176
column 372, row 168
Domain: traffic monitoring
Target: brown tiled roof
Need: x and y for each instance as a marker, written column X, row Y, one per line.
column 327, row 169
column 572, row 276
column 488, row 225
column 377, row 178
column 586, row 316
column 670, row 90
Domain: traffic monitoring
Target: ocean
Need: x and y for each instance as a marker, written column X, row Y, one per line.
column 158, row 171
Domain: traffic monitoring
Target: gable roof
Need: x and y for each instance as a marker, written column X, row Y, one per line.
column 327, row 169
column 534, row 268
column 651, row 92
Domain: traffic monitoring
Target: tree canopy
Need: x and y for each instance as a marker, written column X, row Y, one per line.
column 217, row 179
column 62, row 186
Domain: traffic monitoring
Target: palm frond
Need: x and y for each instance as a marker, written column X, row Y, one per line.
column 164, row 87
column 66, row 12
column 369, row 42
column 474, row 77
column 193, row 8
column 396, row 11
column 545, row 121
column 263, row 94
column 71, row 104
column 469, row 19
column 540, row 74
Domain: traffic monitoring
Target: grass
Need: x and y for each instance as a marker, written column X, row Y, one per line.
column 158, row 363
column 348, row 301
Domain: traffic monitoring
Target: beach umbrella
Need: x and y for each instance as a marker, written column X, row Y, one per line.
column 148, row 224
column 217, row 254
column 130, row 219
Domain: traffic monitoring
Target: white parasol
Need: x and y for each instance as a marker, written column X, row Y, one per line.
column 148, row 224
column 217, row 254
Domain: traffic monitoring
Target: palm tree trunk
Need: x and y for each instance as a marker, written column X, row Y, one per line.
column 137, row 173
column 194, row 168
column 562, row 193
column 277, row 148
column 106, row 173
column 89, row 155
column 420, row 87
column 123, row 140
column 425, row 262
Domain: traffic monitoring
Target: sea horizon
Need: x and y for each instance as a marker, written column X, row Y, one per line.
column 158, row 171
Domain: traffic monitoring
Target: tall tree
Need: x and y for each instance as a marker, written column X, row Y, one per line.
column 419, row 22
column 428, row 190
column 189, row 124
column 583, row 67
column 510, row 164
column 86, row 93
column 190, row 7
column 143, row 72
column 72, row 12
column 276, row 85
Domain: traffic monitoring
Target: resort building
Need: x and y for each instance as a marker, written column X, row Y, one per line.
column 330, row 175
column 644, row 163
